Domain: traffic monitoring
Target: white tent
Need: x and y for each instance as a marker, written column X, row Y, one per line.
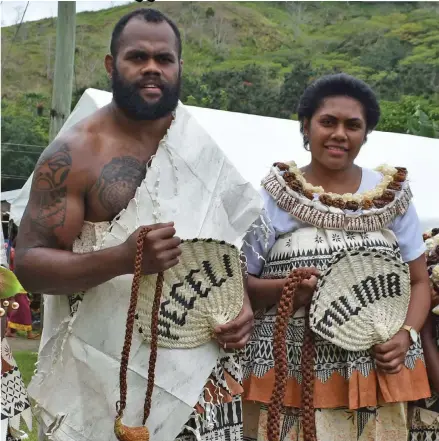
column 253, row 143
column 9, row 196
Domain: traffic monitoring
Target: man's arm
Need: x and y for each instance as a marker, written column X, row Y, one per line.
column 53, row 219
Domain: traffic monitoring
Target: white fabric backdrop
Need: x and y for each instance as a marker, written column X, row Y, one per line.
column 253, row 142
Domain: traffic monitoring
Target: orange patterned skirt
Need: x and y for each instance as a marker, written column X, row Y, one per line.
column 348, row 390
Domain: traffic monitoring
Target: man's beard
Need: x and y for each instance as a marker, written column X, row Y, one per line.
column 128, row 99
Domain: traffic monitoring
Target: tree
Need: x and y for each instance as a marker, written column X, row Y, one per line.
column 420, row 124
column 293, row 86
column 412, row 115
column 24, row 135
column 210, row 12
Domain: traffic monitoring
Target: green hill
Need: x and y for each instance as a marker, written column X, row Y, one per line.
column 253, row 57
column 384, row 43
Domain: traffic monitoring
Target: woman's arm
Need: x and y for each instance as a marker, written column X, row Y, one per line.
column 390, row 356
column 264, row 293
column 431, row 352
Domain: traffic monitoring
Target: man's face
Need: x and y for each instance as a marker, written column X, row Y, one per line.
column 146, row 75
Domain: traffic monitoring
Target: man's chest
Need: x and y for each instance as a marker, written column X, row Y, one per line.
column 114, row 184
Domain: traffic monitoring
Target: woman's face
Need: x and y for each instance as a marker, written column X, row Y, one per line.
column 336, row 132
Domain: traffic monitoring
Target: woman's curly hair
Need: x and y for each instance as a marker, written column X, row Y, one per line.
column 338, row 85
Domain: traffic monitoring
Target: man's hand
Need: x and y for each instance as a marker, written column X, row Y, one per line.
column 306, row 290
column 235, row 334
column 161, row 249
column 390, row 356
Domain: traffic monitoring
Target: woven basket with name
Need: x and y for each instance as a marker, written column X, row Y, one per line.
column 361, row 299
column 204, row 290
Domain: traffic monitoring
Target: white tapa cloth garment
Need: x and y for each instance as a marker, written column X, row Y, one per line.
column 192, row 183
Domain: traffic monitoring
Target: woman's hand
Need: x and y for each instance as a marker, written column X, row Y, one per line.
column 390, row 356
column 306, row 290
column 265, row 293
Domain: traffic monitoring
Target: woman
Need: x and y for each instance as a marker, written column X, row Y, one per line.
column 357, row 395
column 425, row 413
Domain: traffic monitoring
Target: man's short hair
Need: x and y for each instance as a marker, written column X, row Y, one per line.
column 150, row 16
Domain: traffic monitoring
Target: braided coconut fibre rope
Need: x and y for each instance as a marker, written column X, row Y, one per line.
column 211, row 313
column 284, row 312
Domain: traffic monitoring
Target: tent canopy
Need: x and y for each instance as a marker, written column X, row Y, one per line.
column 9, row 196
column 254, row 142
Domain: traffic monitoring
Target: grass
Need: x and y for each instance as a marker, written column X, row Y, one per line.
column 26, row 363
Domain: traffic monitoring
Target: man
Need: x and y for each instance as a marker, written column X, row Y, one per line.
column 133, row 161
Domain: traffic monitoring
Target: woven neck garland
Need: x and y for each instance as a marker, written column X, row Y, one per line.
column 369, row 211
column 203, row 290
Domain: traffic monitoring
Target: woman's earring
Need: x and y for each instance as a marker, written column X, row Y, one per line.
column 306, row 143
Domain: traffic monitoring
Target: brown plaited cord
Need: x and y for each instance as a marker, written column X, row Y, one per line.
column 129, row 332
column 284, row 312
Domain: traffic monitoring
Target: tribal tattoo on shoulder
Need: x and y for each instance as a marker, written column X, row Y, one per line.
column 118, row 182
column 50, row 189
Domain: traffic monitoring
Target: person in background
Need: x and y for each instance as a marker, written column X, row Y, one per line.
column 425, row 413
column 15, row 403
column 19, row 319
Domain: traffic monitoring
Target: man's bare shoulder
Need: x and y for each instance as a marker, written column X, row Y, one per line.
column 81, row 139
column 76, row 148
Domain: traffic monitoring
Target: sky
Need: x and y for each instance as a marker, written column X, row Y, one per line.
column 12, row 11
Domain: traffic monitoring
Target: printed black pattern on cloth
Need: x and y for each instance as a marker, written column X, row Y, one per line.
column 230, row 363
column 363, row 417
column 74, row 302
column 420, row 430
column 304, row 250
column 224, row 423
column 9, row 437
column 221, row 421
column 329, row 358
column 283, row 262
column 290, row 417
column 14, row 395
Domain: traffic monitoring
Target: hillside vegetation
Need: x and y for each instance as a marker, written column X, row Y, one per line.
column 252, row 57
